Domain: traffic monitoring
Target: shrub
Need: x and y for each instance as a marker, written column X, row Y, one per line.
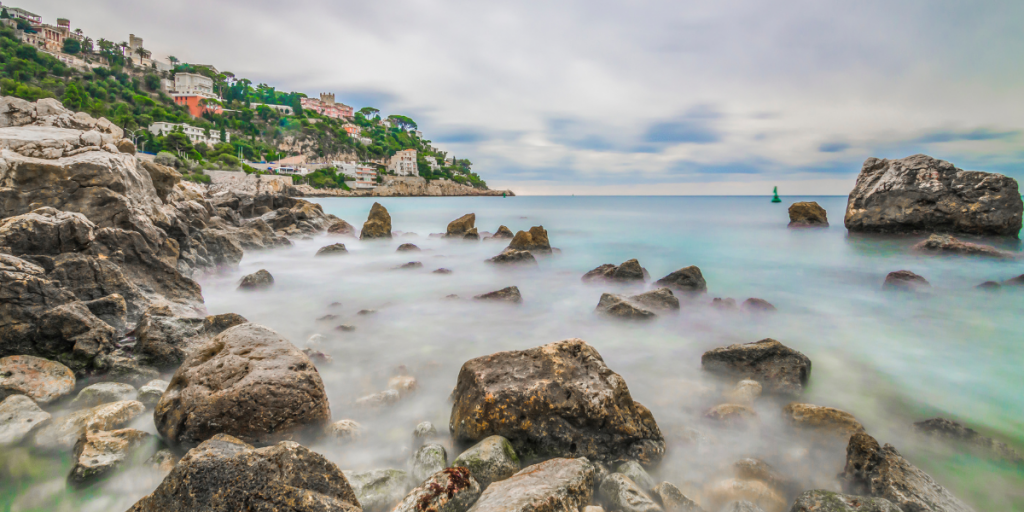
column 168, row 159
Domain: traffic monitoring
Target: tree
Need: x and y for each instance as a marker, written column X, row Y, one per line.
column 72, row 46
column 152, row 82
column 142, row 53
column 5, row 15
column 402, row 122
column 173, row 60
column 369, row 112
column 87, row 45
column 73, row 97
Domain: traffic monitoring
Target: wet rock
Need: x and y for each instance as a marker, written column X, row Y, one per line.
column 248, row 382
column 345, row 328
column 40, row 379
column 824, row 420
column 661, row 299
column 945, row 244
column 150, row 394
column 332, row 250
column 624, row 495
column 318, row 357
column 46, row 231
column 1017, row 281
column 76, row 325
column 164, row 178
column 759, row 496
column 565, row 388
column 102, row 393
column 19, row 417
column 344, row 430
column 514, row 257
column 99, row 453
column 688, row 280
column 725, row 304
column 636, row 473
column 733, row 415
column 379, row 490
column 490, row 460
column 62, row 433
column 113, row 310
column 162, row 339
column 807, row 214
column 408, row 248
column 365, row 312
column 442, row 271
column 379, row 400
column 327, row 318
column 673, row 500
column 905, row 281
column 622, row 307
column 555, row 485
column 378, row 224
column 920, row 193
column 503, row 233
column 780, row 369
column 459, row 227
column 411, row 264
column 259, row 280
column 953, row 431
column 630, row 271
column 340, row 227
column 745, row 393
column 223, row 473
column 404, row 384
column 742, row 506
column 510, row 294
column 424, row 430
column 989, row 285
column 755, row 305
column 428, row 459
column 91, row 278
column 535, row 241
column 881, row 472
column 757, row 469
column 449, row 490
column 163, row 461
column 827, row 501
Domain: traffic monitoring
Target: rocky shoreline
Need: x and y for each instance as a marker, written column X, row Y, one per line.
column 405, row 187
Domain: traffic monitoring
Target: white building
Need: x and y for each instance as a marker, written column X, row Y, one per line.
column 196, row 135
column 366, row 141
column 297, row 171
column 432, row 162
column 283, row 109
column 365, row 175
column 417, row 133
column 404, row 163
column 190, row 84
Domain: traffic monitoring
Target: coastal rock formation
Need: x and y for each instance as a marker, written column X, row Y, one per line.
column 332, row 250
column 19, row 418
column 535, row 240
column 378, row 224
column 503, row 233
column 949, row 430
column 510, row 294
column 920, row 193
column 619, row 306
column 828, row 501
column 808, row 214
column 340, row 227
column 513, row 257
column 102, row 393
column 688, row 280
column 780, row 369
column 99, row 453
column 164, row 339
column 629, row 271
column 40, row 379
column 248, row 382
column 945, row 244
column 449, row 490
column 673, row 500
column 490, row 460
column 461, row 226
column 62, row 433
column 905, row 281
column 225, row 473
column 379, row 490
column 46, row 231
column 881, row 472
column 553, row 401
column 555, row 485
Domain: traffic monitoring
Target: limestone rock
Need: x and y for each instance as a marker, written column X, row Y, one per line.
column 379, row 490
column 40, row 379
column 905, row 281
column 510, row 294
column 46, row 231
column 827, row 501
column 102, row 393
column 162, row 338
column 629, row 271
column 259, row 280
column 490, row 460
column 459, row 227
column 624, row 495
column 556, row 485
column 332, row 250
column 780, row 369
column 408, row 248
column 755, row 305
column 344, row 430
column 223, row 473
column 945, row 244
column 956, row 432
column 150, row 394
column 807, row 214
column 62, row 433
column 113, row 310
column 19, row 417
column 622, row 307
column 428, row 459
column 556, row 400
column 688, row 280
column 341, row 227
column 448, row 490
column 825, row 420
column 92, row 278
column 535, row 240
column 503, row 233
column 514, row 257
column 673, row 500
column 99, row 453
column 659, row 299
column 164, row 178
column 378, row 224
column 248, row 382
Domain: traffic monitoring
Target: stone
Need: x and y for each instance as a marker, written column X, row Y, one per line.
column 404, row 384
column 410, row 265
column 318, row 357
column 378, row 224
column 490, row 460
column 162, row 339
column 19, row 417
column 340, row 227
column 624, row 495
column 345, row 328
column 807, row 214
column 163, row 461
column 98, row 453
column 555, row 485
column 248, row 382
column 408, row 248
column 1016, row 281
column 379, row 490
column 989, row 285
column 380, row 400
column 746, row 392
column 945, row 244
column 344, row 430
column 780, row 369
column 62, row 433
column 742, row 506
column 150, row 394
column 259, row 280
column 514, row 257
column 459, row 227
column 472, row 234
column 759, row 496
column 630, row 271
column 828, row 501
column 224, row 473
column 428, row 459
column 332, row 250
column 40, row 379
column 444, row 271
column 673, row 500
column 449, row 490
column 113, row 310
column 424, row 430
column 637, row 474
column 503, row 233
column 905, row 281
column 661, row 299
column 164, row 178
column 952, row 431
column 125, row 146
column 824, row 420
column 510, row 294
column 535, row 240
column 93, row 278
column 618, row 306
column 879, row 471
column 757, row 469
column 920, row 193
column 726, row 304
column 565, row 387
column 687, row 280
column 46, row 231
column 755, row 305
column 102, row 393
column 733, row 415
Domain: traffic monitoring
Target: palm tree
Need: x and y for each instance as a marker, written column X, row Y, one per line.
column 142, row 53
column 124, row 48
column 173, row 60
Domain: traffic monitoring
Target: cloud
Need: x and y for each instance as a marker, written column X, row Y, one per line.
column 698, row 126
column 972, row 135
column 833, row 147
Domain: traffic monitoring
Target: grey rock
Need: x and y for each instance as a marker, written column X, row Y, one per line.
column 378, row 400
column 19, row 417
column 958, row 433
column 637, row 474
column 673, row 500
column 755, row 305
column 780, row 369
column 332, row 250
column 624, row 495
column 344, row 431
column 687, row 280
column 660, row 299
column 163, row 338
column 428, row 459
column 514, row 257
column 945, row 244
column 622, row 307
column 808, row 214
column 150, row 394
column 259, row 280
column 379, row 490
column 98, row 453
column 828, row 501
column 103, row 392
column 423, row 432
column 629, row 271
column 46, row 231
column 113, row 310
column 62, row 433
column 556, row 485
column 510, row 294
column 448, row 490
column 490, row 460
column 905, row 281
column 40, row 379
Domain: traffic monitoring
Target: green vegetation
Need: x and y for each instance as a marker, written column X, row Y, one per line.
column 328, row 177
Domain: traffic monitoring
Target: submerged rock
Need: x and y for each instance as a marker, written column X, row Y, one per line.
column 462, row 226
column 660, row 299
column 825, row 420
column 104, row 392
column 62, row 433
column 340, row 227
column 736, row 494
column 945, row 244
column 448, row 490
column 442, row 271
column 512, row 256
column 828, row 501
column 411, row 264
column 344, row 430
column 780, row 369
column 490, row 460
column 378, row 224
column 380, row 400
column 408, row 248
column 510, row 294
column 673, row 500
column 733, row 415
column 535, row 240
column 905, row 281
column 40, row 379
column 259, row 280
column 755, row 305
column 428, row 459
column 19, row 417
column 503, row 233
column 379, row 490
column 622, row 307
column 553, row 401
column 688, row 280
column 332, row 250
column 953, row 431
column 556, row 485
column 223, row 473
column 807, row 214
column 745, row 392
column 626, row 272
column 99, row 453
column 624, row 495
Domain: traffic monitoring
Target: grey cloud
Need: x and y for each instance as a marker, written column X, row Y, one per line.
column 833, row 147
column 977, row 134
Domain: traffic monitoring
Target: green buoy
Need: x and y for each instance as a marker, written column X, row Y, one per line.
column 776, row 198
column 502, row 194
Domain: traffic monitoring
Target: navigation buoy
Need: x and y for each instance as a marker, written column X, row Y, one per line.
column 503, row 194
column 776, row 198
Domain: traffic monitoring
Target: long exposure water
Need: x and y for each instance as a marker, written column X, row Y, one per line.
column 888, row 359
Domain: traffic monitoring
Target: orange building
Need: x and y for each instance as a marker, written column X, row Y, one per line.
column 196, row 107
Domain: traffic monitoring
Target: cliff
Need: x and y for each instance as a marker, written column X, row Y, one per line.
column 405, row 186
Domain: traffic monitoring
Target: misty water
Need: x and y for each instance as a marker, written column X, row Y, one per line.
column 888, row 359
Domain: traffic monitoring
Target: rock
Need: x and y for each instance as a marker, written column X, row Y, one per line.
column 953, row 431
column 626, row 272
column 341, row 227
column 449, row 490
column 673, row 500
column 593, row 508
column 733, row 415
column 318, row 357
column 19, row 417
column 411, row 264
column 378, row 490
column 102, row 393
column 442, row 271
column 565, row 388
column 248, row 382
column 424, row 430
column 379, row 400
column 332, row 250
column 164, row 178
column 163, row 339
column 378, row 224
column 459, row 227
column 556, row 485
column 808, row 214
column 62, row 433
column 46, row 231
column 113, row 310
column 622, row 307
column 150, row 394
column 780, row 369
column 660, row 299
column 945, row 244
column 125, row 146
column 365, row 312
column 404, row 384
column 428, row 459
column 881, row 472
column 40, row 379
column 825, row 420
column 259, row 280
column 510, row 294
column 344, row 430
column 472, row 234
column 757, row 469
column 755, row 305
column 503, row 233
column 99, row 453
column 512, row 256
column 490, row 460
column 745, row 392
column 827, row 501
column 636, row 473
column 223, row 473
column 535, row 241
column 408, row 248
column 756, row 494
column 163, row 461
column 989, row 285
column 345, row 328
column 725, row 304
column 1017, row 281
column 905, row 281
column 742, row 506
column 688, row 280
column 920, row 193
column 92, row 278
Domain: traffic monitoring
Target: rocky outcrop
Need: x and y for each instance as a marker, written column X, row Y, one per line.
column 920, row 193
column 41, row 380
column 510, row 294
column 164, row 339
column 688, row 280
column 490, row 460
column 905, row 281
column 535, row 240
column 462, row 226
column 630, row 271
column 808, row 214
column 780, row 369
column 46, row 231
column 513, row 257
column 448, row 490
column 828, row 501
column 98, row 453
column 553, row 401
column 967, row 437
column 225, row 473
column 556, row 485
column 377, row 225
column 248, row 382
column 164, row 178
column 945, row 244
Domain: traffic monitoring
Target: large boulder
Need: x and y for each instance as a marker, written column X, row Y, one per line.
column 629, row 271
column 556, row 485
column 780, row 369
column 248, row 382
column 259, row 280
column 461, row 226
column 920, row 193
column 807, row 214
column 378, row 224
column 225, row 473
column 688, row 280
column 535, row 240
column 40, row 379
column 558, row 400
column 46, row 231
column 503, row 233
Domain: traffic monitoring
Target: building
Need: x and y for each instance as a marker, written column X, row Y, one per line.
column 403, row 163
column 196, row 135
column 283, row 109
column 353, row 130
column 53, row 36
column 21, row 14
column 191, row 90
column 328, row 107
column 365, row 175
column 416, row 133
column 432, row 162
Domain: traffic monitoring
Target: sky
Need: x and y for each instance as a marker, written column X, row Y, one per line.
column 730, row 97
